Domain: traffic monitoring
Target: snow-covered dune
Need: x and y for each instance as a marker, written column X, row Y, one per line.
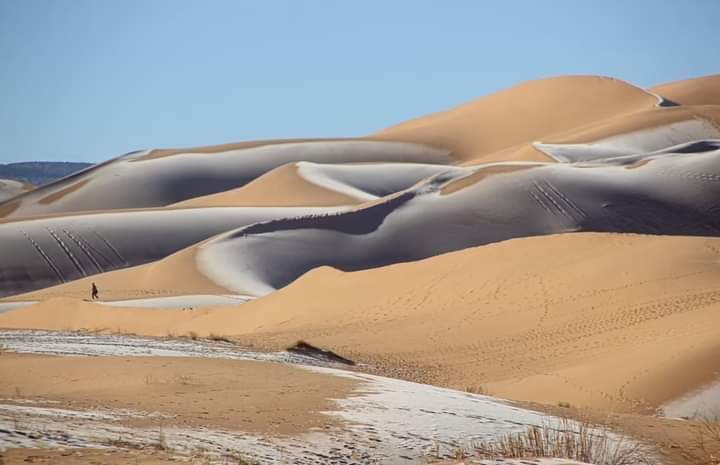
column 45, row 252
column 140, row 180
column 321, row 184
column 669, row 193
column 368, row 181
column 641, row 141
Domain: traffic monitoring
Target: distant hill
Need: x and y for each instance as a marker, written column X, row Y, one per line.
column 38, row 173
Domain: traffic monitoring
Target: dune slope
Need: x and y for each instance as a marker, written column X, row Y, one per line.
column 699, row 91
column 44, row 252
column 668, row 193
column 318, row 184
column 522, row 114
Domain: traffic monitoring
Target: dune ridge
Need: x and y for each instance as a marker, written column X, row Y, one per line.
column 475, row 130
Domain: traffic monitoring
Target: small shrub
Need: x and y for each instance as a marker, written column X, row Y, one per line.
column 477, row 389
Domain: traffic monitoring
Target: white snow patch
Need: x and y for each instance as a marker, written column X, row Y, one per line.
column 188, row 301
column 8, row 306
column 702, row 402
column 644, row 141
column 368, row 181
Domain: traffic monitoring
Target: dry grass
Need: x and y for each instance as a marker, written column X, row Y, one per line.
column 566, row 439
column 705, row 448
column 477, row 389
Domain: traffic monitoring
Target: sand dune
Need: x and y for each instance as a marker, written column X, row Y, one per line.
column 133, row 181
column 669, row 193
column 685, row 133
column 317, row 184
column 616, row 129
column 10, row 188
column 44, row 252
column 456, row 209
column 699, row 91
column 522, row 114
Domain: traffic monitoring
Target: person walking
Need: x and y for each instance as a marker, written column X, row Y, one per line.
column 94, row 294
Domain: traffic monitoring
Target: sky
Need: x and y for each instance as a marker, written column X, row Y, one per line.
column 88, row 80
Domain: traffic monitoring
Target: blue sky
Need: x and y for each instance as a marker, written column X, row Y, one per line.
column 87, row 80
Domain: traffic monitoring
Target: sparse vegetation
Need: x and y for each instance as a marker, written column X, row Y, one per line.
column 567, row 439
column 705, row 448
column 477, row 389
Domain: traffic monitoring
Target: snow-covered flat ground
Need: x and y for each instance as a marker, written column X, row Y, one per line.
column 386, row 420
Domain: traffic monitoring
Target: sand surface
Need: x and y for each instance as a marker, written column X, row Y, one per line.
column 554, row 313
column 699, row 91
column 228, row 394
column 477, row 130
